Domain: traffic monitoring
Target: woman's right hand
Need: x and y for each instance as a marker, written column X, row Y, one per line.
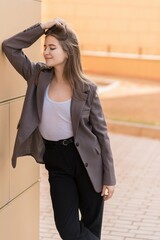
column 51, row 23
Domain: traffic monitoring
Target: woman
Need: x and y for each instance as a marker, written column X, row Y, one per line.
column 63, row 126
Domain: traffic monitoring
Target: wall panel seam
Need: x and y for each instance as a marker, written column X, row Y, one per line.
column 19, row 194
column 11, row 99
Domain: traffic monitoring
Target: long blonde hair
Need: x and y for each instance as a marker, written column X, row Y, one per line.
column 73, row 71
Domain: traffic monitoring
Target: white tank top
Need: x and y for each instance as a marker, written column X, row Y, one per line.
column 56, row 119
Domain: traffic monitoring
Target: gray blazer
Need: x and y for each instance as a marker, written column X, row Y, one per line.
column 89, row 126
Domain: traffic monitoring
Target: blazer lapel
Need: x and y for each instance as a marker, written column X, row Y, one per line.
column 76, row 109
column 45, row 78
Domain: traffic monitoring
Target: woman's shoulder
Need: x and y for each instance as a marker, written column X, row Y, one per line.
column 41, row 66
column 90, row 84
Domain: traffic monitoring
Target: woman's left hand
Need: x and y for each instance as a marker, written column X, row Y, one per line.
column 107, row 192
column 51, row 23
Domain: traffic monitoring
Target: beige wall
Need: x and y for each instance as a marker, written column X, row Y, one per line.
column 121, row 26
column 19, row 188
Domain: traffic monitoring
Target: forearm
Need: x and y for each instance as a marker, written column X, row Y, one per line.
column 13, row 46
column 23, row 39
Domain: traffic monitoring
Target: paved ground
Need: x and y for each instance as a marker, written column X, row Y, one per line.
column 134, row 211
column 130, row 100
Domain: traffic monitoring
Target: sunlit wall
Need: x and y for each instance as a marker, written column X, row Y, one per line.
column 113, row 26
column 19, row 188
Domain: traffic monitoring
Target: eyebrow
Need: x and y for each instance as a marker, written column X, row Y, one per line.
column 50, row 45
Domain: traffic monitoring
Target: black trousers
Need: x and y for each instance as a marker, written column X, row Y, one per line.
column 78, row 209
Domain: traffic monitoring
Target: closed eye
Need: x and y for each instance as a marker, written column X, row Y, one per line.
column 45, row 48
column 51, row 47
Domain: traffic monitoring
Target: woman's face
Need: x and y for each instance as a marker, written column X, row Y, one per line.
column 53, row 53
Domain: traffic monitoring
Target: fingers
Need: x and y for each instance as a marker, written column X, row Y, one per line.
column 104, row 193
column 107, row 192
column 51, row 23
column 104, row 190
column 58, row 20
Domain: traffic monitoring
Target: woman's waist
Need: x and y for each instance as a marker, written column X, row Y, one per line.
column 61, row 142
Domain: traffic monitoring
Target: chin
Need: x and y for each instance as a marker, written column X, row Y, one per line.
column 49, row 65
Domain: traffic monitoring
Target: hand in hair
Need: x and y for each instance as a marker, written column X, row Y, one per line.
column 51, row 23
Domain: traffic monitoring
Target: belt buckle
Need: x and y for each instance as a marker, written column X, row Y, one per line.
column 65, row 142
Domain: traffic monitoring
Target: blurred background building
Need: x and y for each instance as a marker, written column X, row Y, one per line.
column 118, row 37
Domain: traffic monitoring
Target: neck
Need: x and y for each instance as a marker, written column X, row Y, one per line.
column 59, row 76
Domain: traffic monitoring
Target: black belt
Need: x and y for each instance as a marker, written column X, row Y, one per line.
column 63, row 142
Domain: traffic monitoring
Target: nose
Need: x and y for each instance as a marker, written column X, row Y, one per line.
column 46, row 51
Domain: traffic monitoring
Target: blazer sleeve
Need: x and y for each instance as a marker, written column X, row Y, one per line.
column 99, row 128
column 13, row 46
